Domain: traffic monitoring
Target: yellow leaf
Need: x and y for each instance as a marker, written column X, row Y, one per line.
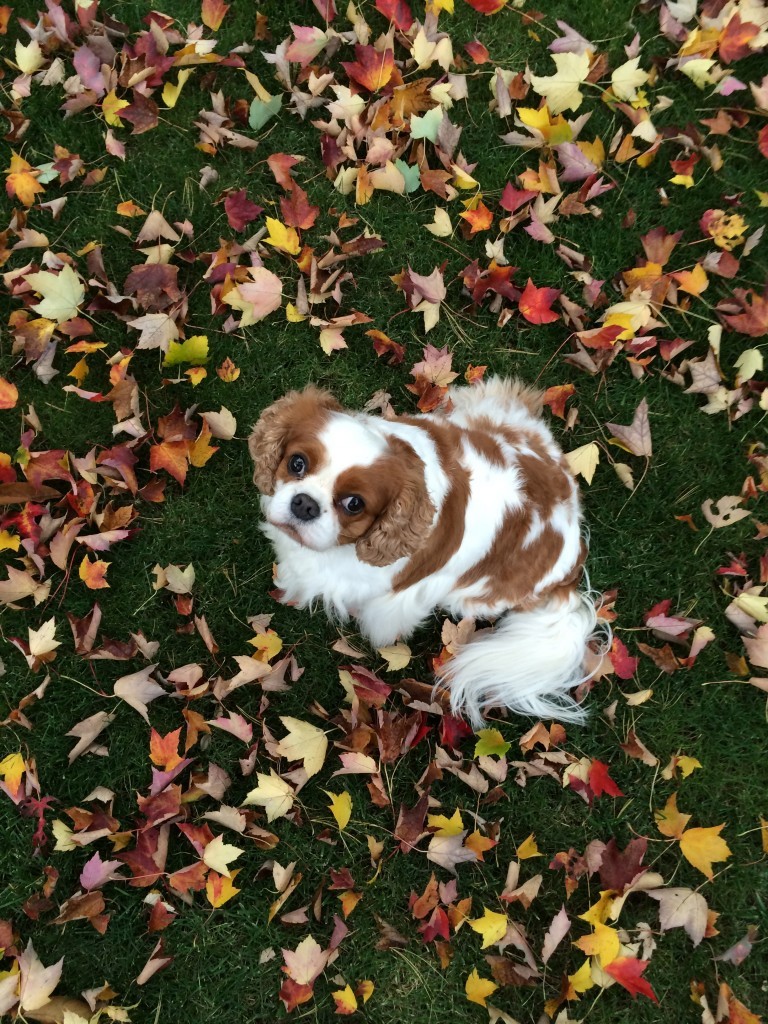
column 292, row 315
column 688, row 765
column 599, row 911
column 478, row 989
column 349, row 901
column 703, row 846
column 698, row 70
column 682, row 179
column 561, row 90
column 461, row 179
column 446, row 826
column 764, row 834
column 129, row 209
column 196, row 374
column 581, row 980
column 111, row 107
column 528, row 848
column 12, row 768
column 273, row 794
column 9, row 541
column 492, row 927
column 762, row 196
column 346, row 1001
column 304, row 742
column 194, row 350
column 171, row 92
column 219, row 855
column 29, row 58
column 93, row 573
column 669, row 821
column 62, row 834
column 281, row 237
column 441, row 225
column 22, row 180
column 267, row 645
column 396, row 656
column 365, row 989
column 220, row 889
column 748, row 364
column 627, row 79
column 340, row 807
column 61, row 293
column 603, row 943
column 80, row 370
column 583, row 461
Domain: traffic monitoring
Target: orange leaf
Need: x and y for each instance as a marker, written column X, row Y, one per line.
column 22, row 180
column 92, row 573
column 9, row 394
column 479, row 219
column 372, row 69
column 164, row 750
column 213, row 13
column 669, row 821
column 219, row 889
column 172, row 456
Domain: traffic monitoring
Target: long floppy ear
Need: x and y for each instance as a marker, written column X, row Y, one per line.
column 404, row 525
column 269, row 437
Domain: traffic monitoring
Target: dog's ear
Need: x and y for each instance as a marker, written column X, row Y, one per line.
column 403, row 526
column 270, row 435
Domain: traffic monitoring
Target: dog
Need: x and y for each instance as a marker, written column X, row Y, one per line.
column 471, row 509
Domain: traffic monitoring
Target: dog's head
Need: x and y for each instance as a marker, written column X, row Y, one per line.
column 330, row 477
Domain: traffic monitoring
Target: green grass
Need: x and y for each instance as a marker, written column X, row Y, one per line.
column 637, row 546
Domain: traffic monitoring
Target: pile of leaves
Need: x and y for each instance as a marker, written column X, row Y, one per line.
column 153, row 319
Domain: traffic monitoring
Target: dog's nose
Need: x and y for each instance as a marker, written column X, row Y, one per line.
column 304, row 507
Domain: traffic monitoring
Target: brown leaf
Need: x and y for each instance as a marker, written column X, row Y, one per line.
column 636, row 438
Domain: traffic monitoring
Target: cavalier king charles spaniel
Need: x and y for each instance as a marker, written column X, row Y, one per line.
column 471, row 509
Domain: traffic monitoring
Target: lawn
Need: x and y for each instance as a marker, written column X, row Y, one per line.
column 209, row 207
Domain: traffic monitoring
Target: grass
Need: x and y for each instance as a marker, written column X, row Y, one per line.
column 637, row 546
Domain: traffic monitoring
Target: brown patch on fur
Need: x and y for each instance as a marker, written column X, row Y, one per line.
column 445, row 539
column 398, row 512
column 294, row 420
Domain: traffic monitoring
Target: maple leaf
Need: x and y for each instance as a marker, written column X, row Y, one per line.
column 340, row 807
column 600, row 781
column 21, row 180
column 450, row 850
column 627, row 79
column 561, row 90
column 62, row 293
column 36, row 982
column 628, row 971
column 735, row 39
column 240, row 210
column 372, row 69
column 535, row 303
column 682, row 908
column 304, row 742
column 603, row 943
column 220, row 889
column 138, row 689
column 583, row 461
column 213, row 13
column 558, row 929
column 491, row 926
column 669, row 820
column 273, row 794
column 172, row 456
column 256, row 298
column 396, row 11
column 93, row 573
column 12, row 769
column 701, row 847
column 218, row 855
column 478, row 989
column 97, row 872
column 636, row 438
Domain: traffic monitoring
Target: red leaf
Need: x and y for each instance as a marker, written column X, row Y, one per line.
column 372, row 69
column 327, row 9
column 556, row 397
column 623, row 665
column 628, row 972
column 512, row 198
column 383, row 345
column 396, row 11
column 293, row 994
column 754, row 320
column 734, row 43
column 477, row 51
column 297, row 212
column 240, row 210
column 280, row 164
column 487, row 6
column 762, row 141
column 600, row 781
column 535, row 304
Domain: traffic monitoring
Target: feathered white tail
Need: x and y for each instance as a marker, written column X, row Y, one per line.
column 529, row 663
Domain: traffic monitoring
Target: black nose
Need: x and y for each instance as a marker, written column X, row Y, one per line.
column 304, row 507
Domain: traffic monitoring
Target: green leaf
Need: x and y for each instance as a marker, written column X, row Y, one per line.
column 411, row 173
column 491, row 742
column 428, row 126
column 261, row 111
column 194, row 350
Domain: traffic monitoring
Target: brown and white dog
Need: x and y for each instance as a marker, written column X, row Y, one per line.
column 471, row 509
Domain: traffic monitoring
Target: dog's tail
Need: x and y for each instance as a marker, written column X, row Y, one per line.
column 528, row 663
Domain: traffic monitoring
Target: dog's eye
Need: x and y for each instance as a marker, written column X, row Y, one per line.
column 353, row 504
column 297, row 465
